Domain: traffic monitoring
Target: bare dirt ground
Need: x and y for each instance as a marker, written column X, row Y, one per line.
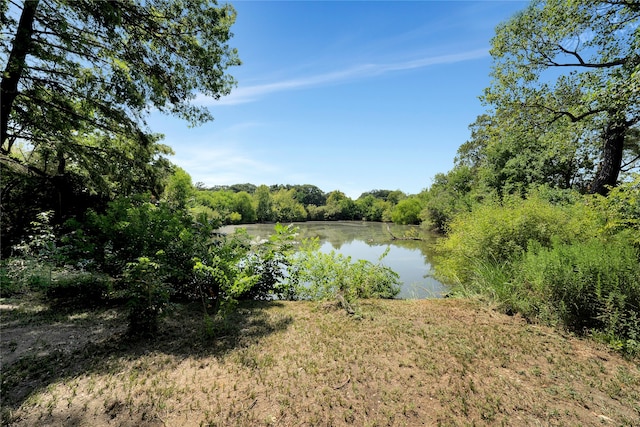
column 414, row 362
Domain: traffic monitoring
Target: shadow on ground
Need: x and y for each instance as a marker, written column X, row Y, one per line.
column 62, row 342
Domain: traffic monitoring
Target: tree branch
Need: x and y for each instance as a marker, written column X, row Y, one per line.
column 581, row 62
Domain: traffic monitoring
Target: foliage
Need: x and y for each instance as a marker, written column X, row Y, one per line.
column 148, row 295
column 557, row 257
column 371, row 208
column 264, row 206
column 19, row 275
column 179, row 188
column 285, row 207
column 565, row 93
column 218, row 277
column 407, row 211
column 330, row 276
column 500, row 232
column 621, row 208
column 243, row 205
column 340, row 207
column 308, row 194
column 269, row 260
column 40, row 242
column 131, row 228
column 85, row 69
column 592, row 285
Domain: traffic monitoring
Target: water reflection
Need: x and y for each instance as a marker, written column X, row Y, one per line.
column 366, row 240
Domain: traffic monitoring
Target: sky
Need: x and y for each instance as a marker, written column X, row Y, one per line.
column 345, row 95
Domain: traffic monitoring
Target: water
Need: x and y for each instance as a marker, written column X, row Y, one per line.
column 368, row 241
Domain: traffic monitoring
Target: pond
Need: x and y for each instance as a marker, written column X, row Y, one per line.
column 411, row 259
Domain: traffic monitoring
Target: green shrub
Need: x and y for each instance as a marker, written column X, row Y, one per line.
column 559, row 258
column 589, row 285
column 148, row 296
column 328, row 276
column 83, row 287
column 269, row 261
column 219, row 274
column 496, row 233
column 19, row 275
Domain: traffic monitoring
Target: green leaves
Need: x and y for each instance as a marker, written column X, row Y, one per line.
column 81, row 76
column 329, row 276
column 562, row 71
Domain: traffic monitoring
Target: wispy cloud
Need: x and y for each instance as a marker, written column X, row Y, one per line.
column 247, row 94
column 221, row 165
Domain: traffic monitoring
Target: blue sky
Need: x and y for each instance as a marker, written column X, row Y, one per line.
column 349, row 96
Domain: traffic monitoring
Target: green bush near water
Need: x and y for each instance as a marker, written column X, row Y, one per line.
column 500, row 232
column 560, row 260
column 591, row 285
column 322, row 276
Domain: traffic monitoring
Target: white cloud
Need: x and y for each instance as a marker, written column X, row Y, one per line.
column 220, row 166
column 243, row 95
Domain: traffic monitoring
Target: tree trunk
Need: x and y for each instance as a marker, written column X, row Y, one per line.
column 611, row 161
column 15, row 66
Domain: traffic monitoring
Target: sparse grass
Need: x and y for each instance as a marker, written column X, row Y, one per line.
column 423, row 362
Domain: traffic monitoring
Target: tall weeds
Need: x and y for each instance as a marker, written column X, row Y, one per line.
column 573, row 263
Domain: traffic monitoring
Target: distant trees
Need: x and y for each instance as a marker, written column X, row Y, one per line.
column 293, row 203
column 264, row 210
column 407, row 211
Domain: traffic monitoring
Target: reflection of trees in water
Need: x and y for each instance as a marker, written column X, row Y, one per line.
column 339, row 233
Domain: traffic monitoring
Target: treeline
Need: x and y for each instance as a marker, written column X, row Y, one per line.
column 248, row 203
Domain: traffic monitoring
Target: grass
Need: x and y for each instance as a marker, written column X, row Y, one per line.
column 414, row 362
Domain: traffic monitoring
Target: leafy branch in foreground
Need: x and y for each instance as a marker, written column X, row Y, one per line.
column 323, row 276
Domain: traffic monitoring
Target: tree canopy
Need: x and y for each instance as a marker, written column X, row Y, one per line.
column 79, row 79
column 567, row 85
column 80, row 75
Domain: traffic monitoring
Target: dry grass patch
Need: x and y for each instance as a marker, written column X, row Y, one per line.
column 426, row 362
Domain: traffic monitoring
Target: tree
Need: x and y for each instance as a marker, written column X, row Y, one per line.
column 286, row 208
column 244, row 206
column 340, row 207
column 372, row 208
column 594, row 47
column 179, row 188
column 79, row 77
column 407, row 211
column 510, row 152
column 264, row 209
column 308, row 194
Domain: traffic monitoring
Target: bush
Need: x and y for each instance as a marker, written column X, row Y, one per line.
column 19, row 275
column 558, row 258
column 220, row 275
column 590, row 285
column 148, row 296
column 269, row 260
column 497, row 233
column 320, row 276
column 82, row 287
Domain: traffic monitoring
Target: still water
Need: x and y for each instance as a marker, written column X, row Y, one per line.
column 368, row 241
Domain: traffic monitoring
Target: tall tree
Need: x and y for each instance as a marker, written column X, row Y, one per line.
column 79, row 72
column 264, row 204
column 573, row 62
